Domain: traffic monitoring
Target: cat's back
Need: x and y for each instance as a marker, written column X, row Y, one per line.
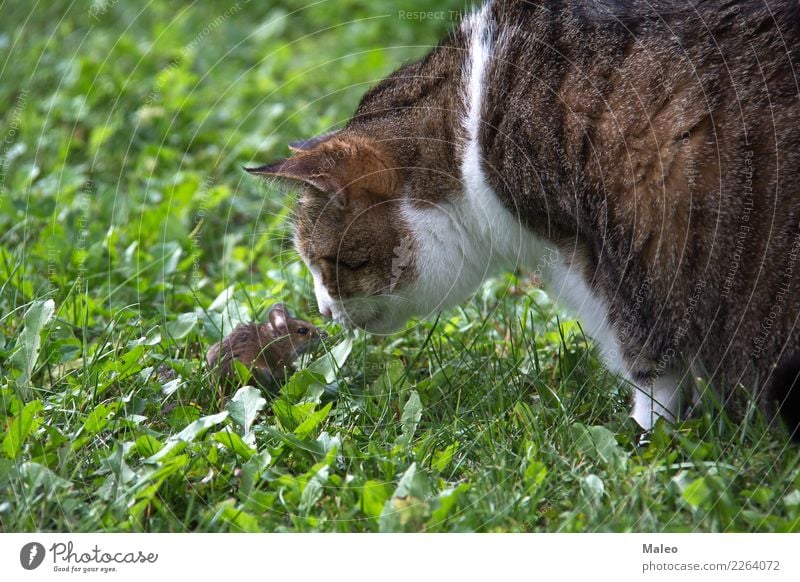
column 648, row 81
column 667, row 134
column 608, row 28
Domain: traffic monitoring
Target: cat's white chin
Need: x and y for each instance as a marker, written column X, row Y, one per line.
column 379, row 325
column 372, row 316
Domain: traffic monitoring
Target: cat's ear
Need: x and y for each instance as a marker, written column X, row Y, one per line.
column 279, row 318
column 344, row 167
column 305, row 145
column 299, row 168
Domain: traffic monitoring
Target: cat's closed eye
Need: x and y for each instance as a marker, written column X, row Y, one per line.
column 353, row 264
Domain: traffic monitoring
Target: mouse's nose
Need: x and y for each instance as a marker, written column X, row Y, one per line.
column 323, row 335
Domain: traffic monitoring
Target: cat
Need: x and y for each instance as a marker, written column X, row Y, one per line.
column 640, row 157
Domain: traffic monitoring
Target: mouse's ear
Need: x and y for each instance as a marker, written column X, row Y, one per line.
column 279, row 318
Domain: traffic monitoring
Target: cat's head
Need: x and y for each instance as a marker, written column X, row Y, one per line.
column 366, row 241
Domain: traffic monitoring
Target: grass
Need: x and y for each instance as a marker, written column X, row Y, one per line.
column 130, row 240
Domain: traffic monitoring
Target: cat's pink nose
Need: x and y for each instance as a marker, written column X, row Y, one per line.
column 327, row 313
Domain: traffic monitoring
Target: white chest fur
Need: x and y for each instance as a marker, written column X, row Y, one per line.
column 503, row 231
column 475, row 236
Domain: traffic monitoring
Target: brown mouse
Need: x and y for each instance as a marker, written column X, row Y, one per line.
column 267, row 349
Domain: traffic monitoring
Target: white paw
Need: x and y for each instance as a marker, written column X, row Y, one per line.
column 661, row 399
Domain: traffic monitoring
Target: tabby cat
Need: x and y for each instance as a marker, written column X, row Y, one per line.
column 640, row 156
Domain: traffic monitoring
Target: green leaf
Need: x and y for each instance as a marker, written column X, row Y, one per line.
column 149, row 483
column 245, row 406
column 116, row 463
column 290, row 416
column 181, row 416
column 312, row 421
column 96, row 421
column 232, row 441
column 316, row 448
column 304, row 385
column 182, row 325
column 251, row 471
column 187, row 435
column 313, row 490
column 599, row 443
column 413, row 483
column 535, row 474
column 328, row 364
column 26, row 422
column 29, row 343
column 35, row 476
column 241, row 372
column 373, row 496
column 441, row 459
column 760, row 495
column 125, row 366
column 593, row 489
column 448, row 500
column 792, row 499
column 698, row 494
column 238, row 519
column 408, row 508
column 99, row 417
column 328, row 443
column 412, row 412
column 390, row 379
column 697, row 451
column 147, row 445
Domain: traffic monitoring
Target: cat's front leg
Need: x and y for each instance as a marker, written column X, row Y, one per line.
column 659, row 398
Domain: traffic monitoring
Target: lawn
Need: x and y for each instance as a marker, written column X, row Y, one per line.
column 130, row 240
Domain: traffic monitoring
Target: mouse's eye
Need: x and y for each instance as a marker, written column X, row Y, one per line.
column 302, row 330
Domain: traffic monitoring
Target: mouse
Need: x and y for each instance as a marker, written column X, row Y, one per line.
column 267, row 349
